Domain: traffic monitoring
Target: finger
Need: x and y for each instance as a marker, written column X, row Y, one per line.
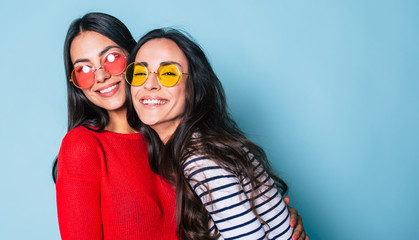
column 287, row 200
column 293, row 216
column 296, row 235
column 298, row 228
column 302, row 235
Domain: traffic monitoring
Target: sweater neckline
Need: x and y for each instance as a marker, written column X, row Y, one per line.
column 135, row 136
column 124, row 135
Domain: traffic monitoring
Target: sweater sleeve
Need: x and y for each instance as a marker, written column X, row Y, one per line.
column 227, row 201
column 78, row 186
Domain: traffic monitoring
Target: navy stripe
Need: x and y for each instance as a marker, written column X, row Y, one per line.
column 276, row 216
column 257, row 166
column 194, row 160
column 217, row 189
column 257, row 177
column 263, row 193
column 240, row 225
column 203, row 170
column 225, row 197
column 212, row 228
column 211, row 179
column 234, row 216
column 272, row 208
column 229, row 207
column 268, row 200
column 263, row 182
column 244, row 234
column 283, row 232
column 280, row 224
column 246, row 150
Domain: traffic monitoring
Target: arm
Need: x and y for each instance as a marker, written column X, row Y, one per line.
column 78, row 192
column 229, row 206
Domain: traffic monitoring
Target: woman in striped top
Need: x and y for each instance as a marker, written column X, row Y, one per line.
column 224, row 184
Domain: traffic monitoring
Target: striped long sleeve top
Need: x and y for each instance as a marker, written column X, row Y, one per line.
column 227, row 201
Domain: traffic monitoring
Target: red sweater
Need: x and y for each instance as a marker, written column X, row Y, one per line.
column 106, row 189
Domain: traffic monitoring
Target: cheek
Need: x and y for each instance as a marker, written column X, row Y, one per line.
column 90, row 97
column 134, row 91
column 135, row 97
column 87, row 93
column 180, row 94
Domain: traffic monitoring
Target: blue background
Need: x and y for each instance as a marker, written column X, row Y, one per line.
column 328, row 88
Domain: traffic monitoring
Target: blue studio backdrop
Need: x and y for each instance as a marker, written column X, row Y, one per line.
column 329, row 89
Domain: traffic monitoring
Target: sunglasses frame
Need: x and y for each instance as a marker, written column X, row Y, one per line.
column 150, row 72
column 93, row 69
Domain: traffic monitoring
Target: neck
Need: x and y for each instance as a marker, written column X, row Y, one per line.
column 118, row 122
column 165, row 131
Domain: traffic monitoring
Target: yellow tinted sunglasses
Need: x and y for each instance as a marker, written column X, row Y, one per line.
column 137, row 74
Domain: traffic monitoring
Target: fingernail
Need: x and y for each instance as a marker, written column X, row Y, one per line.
column 294, row 237
column 292, row 223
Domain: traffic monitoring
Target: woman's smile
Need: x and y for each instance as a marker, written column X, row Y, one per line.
column 160, row 107
column 109, row 90
column 153, row 101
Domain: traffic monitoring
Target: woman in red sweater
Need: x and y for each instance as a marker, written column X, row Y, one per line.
column 105, row 187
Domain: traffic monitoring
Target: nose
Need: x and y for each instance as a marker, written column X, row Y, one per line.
column 101, row 75
column 152, row 82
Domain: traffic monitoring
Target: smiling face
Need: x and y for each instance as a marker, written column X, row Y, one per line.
column 108, row 91
column 158, row 106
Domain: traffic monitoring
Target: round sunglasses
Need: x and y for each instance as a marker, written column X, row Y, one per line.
column 168, row 74
column 83, row 76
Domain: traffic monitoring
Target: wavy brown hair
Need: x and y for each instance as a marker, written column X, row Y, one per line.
column 81, row 111
column 220, row 138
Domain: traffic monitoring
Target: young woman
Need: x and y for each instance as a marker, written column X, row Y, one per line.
column 105, row 187
column 225, row 187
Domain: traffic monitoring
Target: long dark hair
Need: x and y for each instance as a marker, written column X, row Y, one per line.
column 80, row 110
column 220, row 138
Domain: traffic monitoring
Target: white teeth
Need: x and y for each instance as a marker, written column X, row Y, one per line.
column 109, row 89
column 153, row 102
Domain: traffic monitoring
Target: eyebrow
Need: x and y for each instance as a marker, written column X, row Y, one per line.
column 163, row 63
column 100, row 54
column 170, row 62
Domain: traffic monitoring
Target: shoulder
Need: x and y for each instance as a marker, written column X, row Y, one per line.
column 80, row 131
column 197, row 162
column 80, row 139
column 203, row 168
column 80, row 152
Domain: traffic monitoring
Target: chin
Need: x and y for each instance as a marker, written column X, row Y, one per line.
column 148, row 123
column 115, row 106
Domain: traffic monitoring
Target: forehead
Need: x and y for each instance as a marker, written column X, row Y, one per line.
column 160, row 50
column 89, row 44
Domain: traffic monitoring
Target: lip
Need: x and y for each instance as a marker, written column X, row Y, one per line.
column 110, row 93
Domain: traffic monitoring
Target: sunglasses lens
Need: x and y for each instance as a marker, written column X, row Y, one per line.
column 169, row 75
column 136, row 74
column 114, row 63
column 83, row 77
